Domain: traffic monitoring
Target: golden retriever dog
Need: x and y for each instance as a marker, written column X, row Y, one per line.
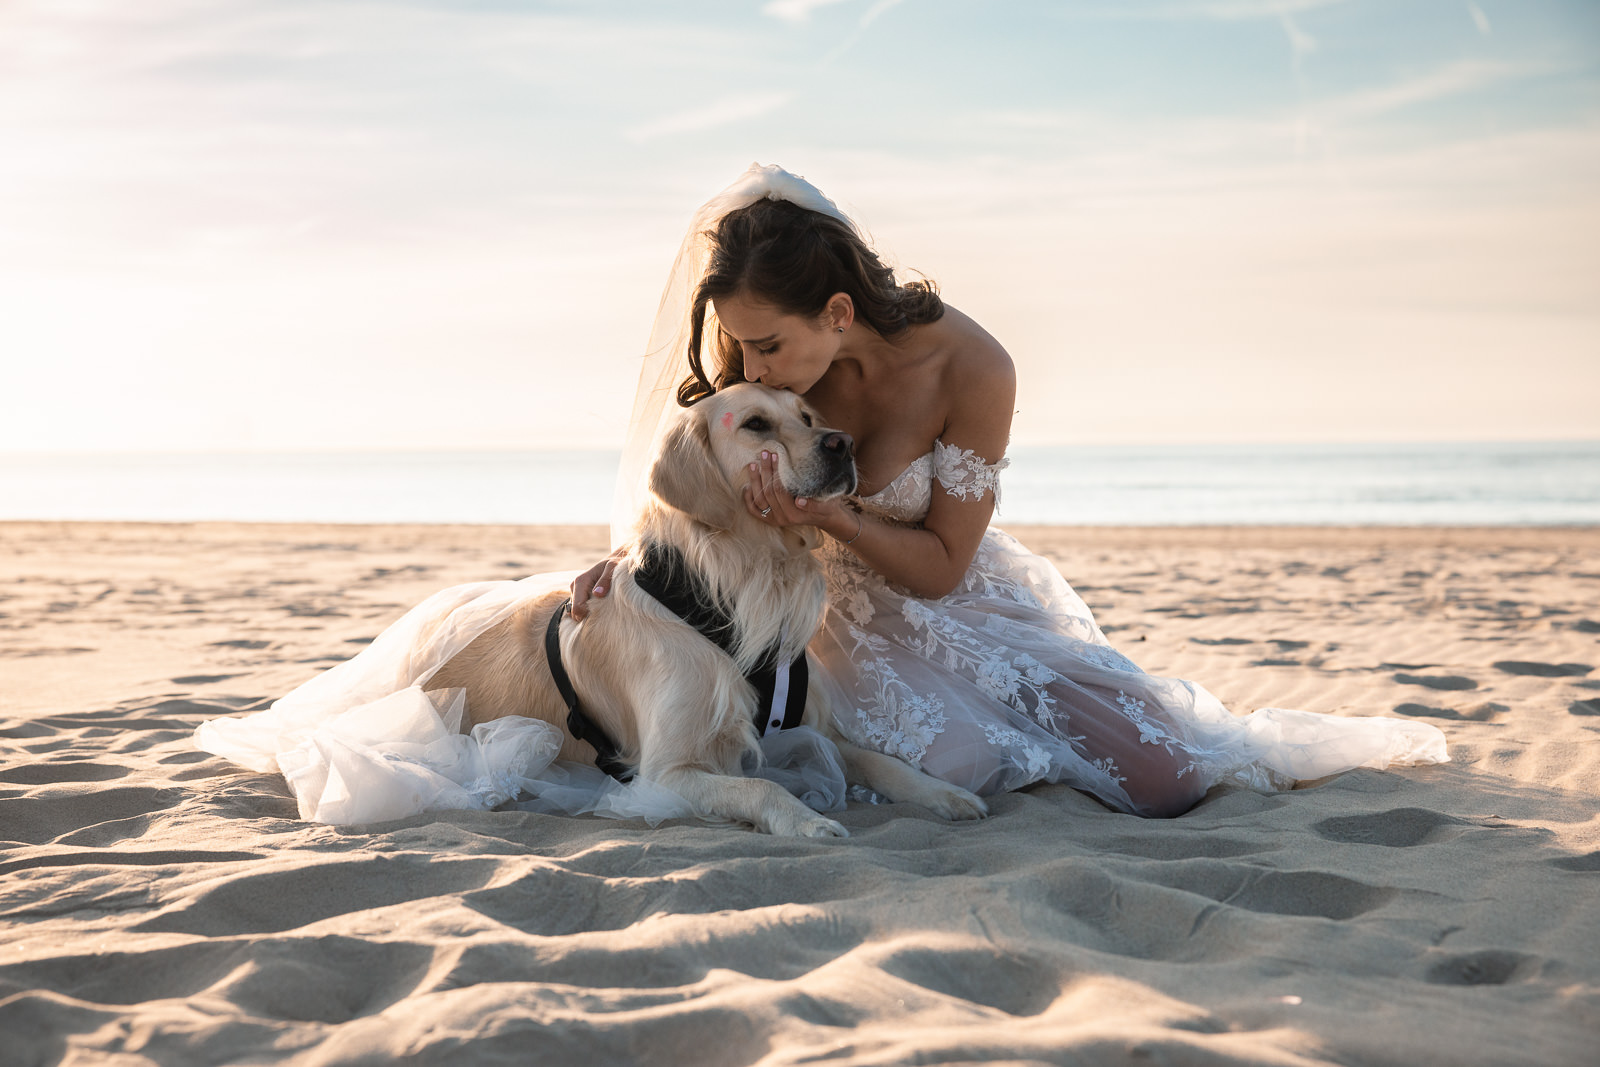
column 675, row 706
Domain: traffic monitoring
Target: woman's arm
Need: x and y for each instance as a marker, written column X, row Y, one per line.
column 980, row 388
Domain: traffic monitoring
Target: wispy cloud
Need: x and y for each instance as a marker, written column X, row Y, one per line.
column 867, row 19
column 1479, row 19
column 875, row 10
column 1369, row 122
column 1221, row 10
column 1247, row 9
column 799, row 11
column 1453, row 79
column 721, row 113
column 794, row 10
column 1301, row 43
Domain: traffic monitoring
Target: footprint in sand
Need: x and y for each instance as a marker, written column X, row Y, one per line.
column 202, row 679
column 1221, row 641
column 25, row 730
column 1584, row 707
column 103, row 816
column 339, row 980
column 1489, row 967
column 1308, row 893
column 53, row 773
column 25, row 652
column 1543, row 670
column 1481, row 713
column 1587, row 626
column 182, row 758
column 274, row 900
column 327, row 980
column 1588, row 863
column 1400, row 828
column 1437, row 681
column 1017, row 986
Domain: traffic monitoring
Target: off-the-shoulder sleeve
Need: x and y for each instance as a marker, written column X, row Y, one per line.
column 966, row 475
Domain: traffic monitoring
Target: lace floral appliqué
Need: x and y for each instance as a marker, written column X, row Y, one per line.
column 1150, row 731
column 1015, row 679
column 966, row 475
column 901, row 721
column 1030, row 758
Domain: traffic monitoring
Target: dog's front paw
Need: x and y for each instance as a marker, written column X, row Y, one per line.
column 808, row 825
column 953, row 802
column 824, row 828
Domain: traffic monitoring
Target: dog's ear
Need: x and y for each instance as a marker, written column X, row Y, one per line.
column 686, row 476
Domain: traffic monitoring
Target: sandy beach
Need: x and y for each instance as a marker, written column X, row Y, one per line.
column 159, row 905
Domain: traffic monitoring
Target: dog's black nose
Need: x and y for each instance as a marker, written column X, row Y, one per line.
column 840, row 444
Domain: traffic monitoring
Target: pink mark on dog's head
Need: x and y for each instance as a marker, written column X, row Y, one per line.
column 727, row 420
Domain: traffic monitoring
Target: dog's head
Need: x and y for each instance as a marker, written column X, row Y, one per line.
column 701, row 467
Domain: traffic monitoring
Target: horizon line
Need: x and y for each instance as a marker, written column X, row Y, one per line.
column 509, row 450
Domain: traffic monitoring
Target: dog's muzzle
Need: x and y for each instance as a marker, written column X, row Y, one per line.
column 838, row 452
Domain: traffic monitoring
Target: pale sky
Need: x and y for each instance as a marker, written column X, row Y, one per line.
column 420, row 224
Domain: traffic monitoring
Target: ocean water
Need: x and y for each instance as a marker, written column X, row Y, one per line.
column 1348, row 484
column 1479, row 483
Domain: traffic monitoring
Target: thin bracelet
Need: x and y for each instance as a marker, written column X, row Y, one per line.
column 859, row 525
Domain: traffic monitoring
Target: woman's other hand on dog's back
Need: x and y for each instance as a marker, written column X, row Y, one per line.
column 596, row 582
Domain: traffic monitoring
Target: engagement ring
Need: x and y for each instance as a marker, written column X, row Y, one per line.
column 765, row 512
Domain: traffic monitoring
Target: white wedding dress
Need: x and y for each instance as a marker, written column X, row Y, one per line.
column 1008, row 681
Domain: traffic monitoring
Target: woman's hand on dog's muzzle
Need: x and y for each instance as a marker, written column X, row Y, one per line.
column 767, row 500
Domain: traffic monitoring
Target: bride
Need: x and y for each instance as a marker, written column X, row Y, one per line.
column 947, row 643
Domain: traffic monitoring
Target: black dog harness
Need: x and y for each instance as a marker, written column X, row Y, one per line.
column 665, row 575
column 579, row 725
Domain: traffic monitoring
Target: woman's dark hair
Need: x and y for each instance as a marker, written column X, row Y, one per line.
column 795, row 259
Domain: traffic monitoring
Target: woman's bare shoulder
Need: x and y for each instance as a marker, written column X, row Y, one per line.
column 981, row 383
column 977, row 365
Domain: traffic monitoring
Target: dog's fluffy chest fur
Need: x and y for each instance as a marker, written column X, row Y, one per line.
column 769, row 584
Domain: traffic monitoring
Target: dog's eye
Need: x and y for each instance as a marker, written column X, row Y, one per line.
column 805, row 417
column 756, row 424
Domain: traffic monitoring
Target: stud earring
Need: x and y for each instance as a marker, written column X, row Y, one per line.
column 841, row 329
